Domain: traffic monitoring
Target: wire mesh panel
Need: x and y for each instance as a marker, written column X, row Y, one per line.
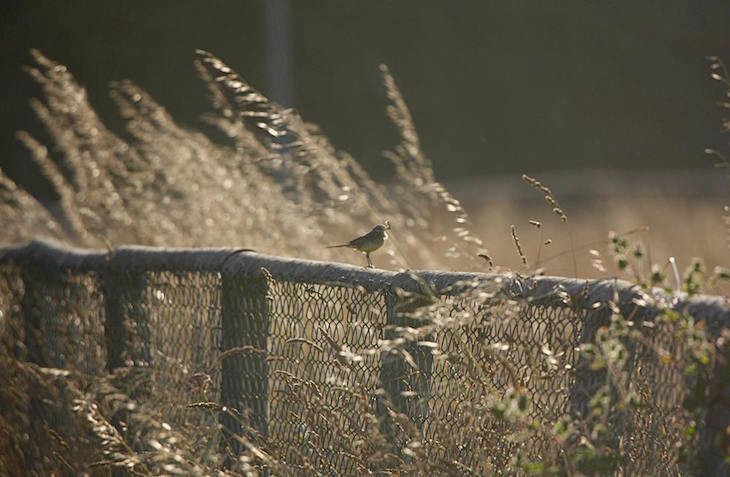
column 65, row 320
column 182, row 336
column 63, row 329
column 323, row 373
column 530, row 348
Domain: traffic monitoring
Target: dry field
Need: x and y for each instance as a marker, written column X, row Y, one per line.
column 679, row 214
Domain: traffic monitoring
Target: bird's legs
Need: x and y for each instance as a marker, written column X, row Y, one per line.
column 370, row 262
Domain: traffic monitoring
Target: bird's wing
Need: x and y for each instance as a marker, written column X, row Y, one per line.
column 360, row 241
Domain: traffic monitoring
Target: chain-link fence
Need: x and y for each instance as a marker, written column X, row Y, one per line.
column 300, row 352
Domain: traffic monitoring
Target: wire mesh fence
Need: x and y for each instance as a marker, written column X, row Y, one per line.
column 297, row 352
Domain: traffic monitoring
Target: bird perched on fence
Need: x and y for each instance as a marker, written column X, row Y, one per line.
column 369, row 242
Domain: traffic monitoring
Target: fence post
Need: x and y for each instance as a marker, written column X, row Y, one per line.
column 714, row 433
column 244, row 365
column 407, row 386
column 126, row 325
column 587, row 381
column 127, row 336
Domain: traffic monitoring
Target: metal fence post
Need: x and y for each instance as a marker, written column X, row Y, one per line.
column 126, row 325
column 408, row 387
column 587, row 381
column 127, row 335
column 714, row 433
column 244, row 366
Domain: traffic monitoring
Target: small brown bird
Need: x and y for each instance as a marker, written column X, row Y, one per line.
column 369, row 242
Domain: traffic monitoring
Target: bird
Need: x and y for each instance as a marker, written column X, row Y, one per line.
column 369, row 242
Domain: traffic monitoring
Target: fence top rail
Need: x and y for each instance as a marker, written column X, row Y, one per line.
column 232, row 261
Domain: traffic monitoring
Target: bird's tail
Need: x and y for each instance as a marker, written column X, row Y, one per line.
column 342, row 245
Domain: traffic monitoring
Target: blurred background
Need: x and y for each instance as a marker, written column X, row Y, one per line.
column 609, row 103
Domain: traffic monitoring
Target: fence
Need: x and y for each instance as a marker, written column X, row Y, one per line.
column 293, row 345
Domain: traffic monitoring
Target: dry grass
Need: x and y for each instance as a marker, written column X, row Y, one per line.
column 277, row 185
